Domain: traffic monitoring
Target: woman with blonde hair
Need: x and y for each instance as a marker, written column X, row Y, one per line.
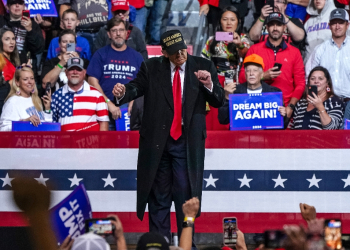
column 23, row 102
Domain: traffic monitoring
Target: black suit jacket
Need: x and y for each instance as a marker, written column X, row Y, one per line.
column 224, row 115
column 154, row 82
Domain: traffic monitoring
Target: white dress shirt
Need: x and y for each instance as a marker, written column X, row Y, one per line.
column 182, row 72
column 337, row 61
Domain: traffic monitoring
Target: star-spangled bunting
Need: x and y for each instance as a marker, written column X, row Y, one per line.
column 314, row 181
column 218, row 180
column 211, row 181
column 7, row 180
column 41, row 179
column 279, row 181
column 109, row 180
column 245, row 181
column 347, row 181
column 75, row 180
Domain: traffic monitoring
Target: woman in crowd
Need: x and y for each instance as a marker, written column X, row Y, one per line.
column 54, row 69
column 227, row 55
column 9, row 62
column 321, row 111
column 23, row 102
column 9, row 50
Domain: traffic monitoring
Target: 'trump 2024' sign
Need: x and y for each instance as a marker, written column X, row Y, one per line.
column 68, row 217
column 255, row 111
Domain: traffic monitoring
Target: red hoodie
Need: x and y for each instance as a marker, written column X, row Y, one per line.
column 292, row 79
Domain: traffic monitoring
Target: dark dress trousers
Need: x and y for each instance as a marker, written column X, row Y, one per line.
column 224, row 115
column 153, row 81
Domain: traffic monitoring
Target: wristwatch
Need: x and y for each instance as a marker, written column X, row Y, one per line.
column 187, row 224
column 292, row 106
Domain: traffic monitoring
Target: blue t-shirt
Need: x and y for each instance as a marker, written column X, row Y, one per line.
column 82, row 47
column 296, row 11
column 110, row 67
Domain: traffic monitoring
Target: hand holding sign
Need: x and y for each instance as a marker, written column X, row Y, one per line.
column 204, row 77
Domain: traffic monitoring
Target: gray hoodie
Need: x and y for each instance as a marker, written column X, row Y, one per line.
column 317, row 28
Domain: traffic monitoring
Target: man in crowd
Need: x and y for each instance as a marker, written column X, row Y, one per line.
column 254, row 69
column 291, row 77
column 113, row 63
column 28, row 34
column 92, row 16
column 77, row 105
column 134, row 37
column 334, row 54
column 176, row 88
column 294, row 30
column 70, row 21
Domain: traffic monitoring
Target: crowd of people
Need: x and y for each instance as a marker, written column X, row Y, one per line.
column 49, row 65
column 36, row 210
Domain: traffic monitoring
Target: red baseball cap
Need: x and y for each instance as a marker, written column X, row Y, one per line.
column 120, row 5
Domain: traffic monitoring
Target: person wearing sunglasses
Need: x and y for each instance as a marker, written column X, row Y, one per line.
column 23, row 102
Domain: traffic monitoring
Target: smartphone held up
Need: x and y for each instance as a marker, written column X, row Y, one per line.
column 25, row 13
column 332, row 233
column 230, row 231
column 223, row 36
column 102, row 226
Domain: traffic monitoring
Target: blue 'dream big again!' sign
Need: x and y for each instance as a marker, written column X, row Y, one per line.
column 255, row 111
column 68, row 217
column 45, row 8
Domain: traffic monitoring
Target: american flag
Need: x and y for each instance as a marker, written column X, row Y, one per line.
column 79, row 110
column 260, row 177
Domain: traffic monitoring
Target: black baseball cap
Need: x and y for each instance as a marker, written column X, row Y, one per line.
column 275, row 16
column 152, row 241
column 339, row 14
column 172, row 41
column 11, row 2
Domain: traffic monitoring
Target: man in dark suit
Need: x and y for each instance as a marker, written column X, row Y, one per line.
column 175, row 87
column 254, row 70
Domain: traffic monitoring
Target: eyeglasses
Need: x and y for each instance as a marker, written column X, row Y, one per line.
column 24, row 66
column 116, row 31
column 280, row 1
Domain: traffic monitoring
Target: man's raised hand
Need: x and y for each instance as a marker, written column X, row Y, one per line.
column 204, row 77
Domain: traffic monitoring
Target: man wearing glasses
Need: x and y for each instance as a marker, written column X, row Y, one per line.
column 112, row 64
column 294, row 33
column 134, row 38
column 77, row 105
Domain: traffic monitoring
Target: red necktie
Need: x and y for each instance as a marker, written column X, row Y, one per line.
column 176, row 128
